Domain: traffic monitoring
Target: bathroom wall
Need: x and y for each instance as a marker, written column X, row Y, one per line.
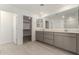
column 6, row 27
column 19, row 20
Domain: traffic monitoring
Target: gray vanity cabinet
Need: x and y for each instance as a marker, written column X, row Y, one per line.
column 48, row 37
column 70, row 44
column 39, row 35
column 78, row 43
column 66, row 41
column 58, row 41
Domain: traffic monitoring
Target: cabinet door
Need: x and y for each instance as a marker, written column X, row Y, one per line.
column 58, row 41
column 70, row 44
column 39, row 35
column 65, row 42
column 78, row 43
column 48, row 37
column 66, row 34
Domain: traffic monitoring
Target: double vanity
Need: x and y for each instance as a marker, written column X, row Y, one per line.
column 60, row 29
column 66, row 41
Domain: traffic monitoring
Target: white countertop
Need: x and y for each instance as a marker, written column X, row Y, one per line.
column 60, row 30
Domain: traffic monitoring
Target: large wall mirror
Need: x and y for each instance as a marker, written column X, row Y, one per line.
column 71, row 19
column 66, row 21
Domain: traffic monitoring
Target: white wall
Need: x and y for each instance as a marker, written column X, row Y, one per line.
column 14, row 29
column 19, row 20
column 33, row 28
column 6, row 22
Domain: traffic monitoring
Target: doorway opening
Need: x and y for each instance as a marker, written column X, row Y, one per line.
column 27, row 27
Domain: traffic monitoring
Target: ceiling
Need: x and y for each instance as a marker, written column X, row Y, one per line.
column 45, row 10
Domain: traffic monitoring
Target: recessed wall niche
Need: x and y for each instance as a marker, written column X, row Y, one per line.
column 39, row 23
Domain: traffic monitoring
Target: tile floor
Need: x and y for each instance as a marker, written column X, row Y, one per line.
column 31, row 48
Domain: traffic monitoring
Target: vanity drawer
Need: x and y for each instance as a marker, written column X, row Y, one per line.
column 49, row 41
column 48, row 35
column 67, row 43
column 78, row 43
column 65, row 34
column 77, row 34
column 39, row 36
